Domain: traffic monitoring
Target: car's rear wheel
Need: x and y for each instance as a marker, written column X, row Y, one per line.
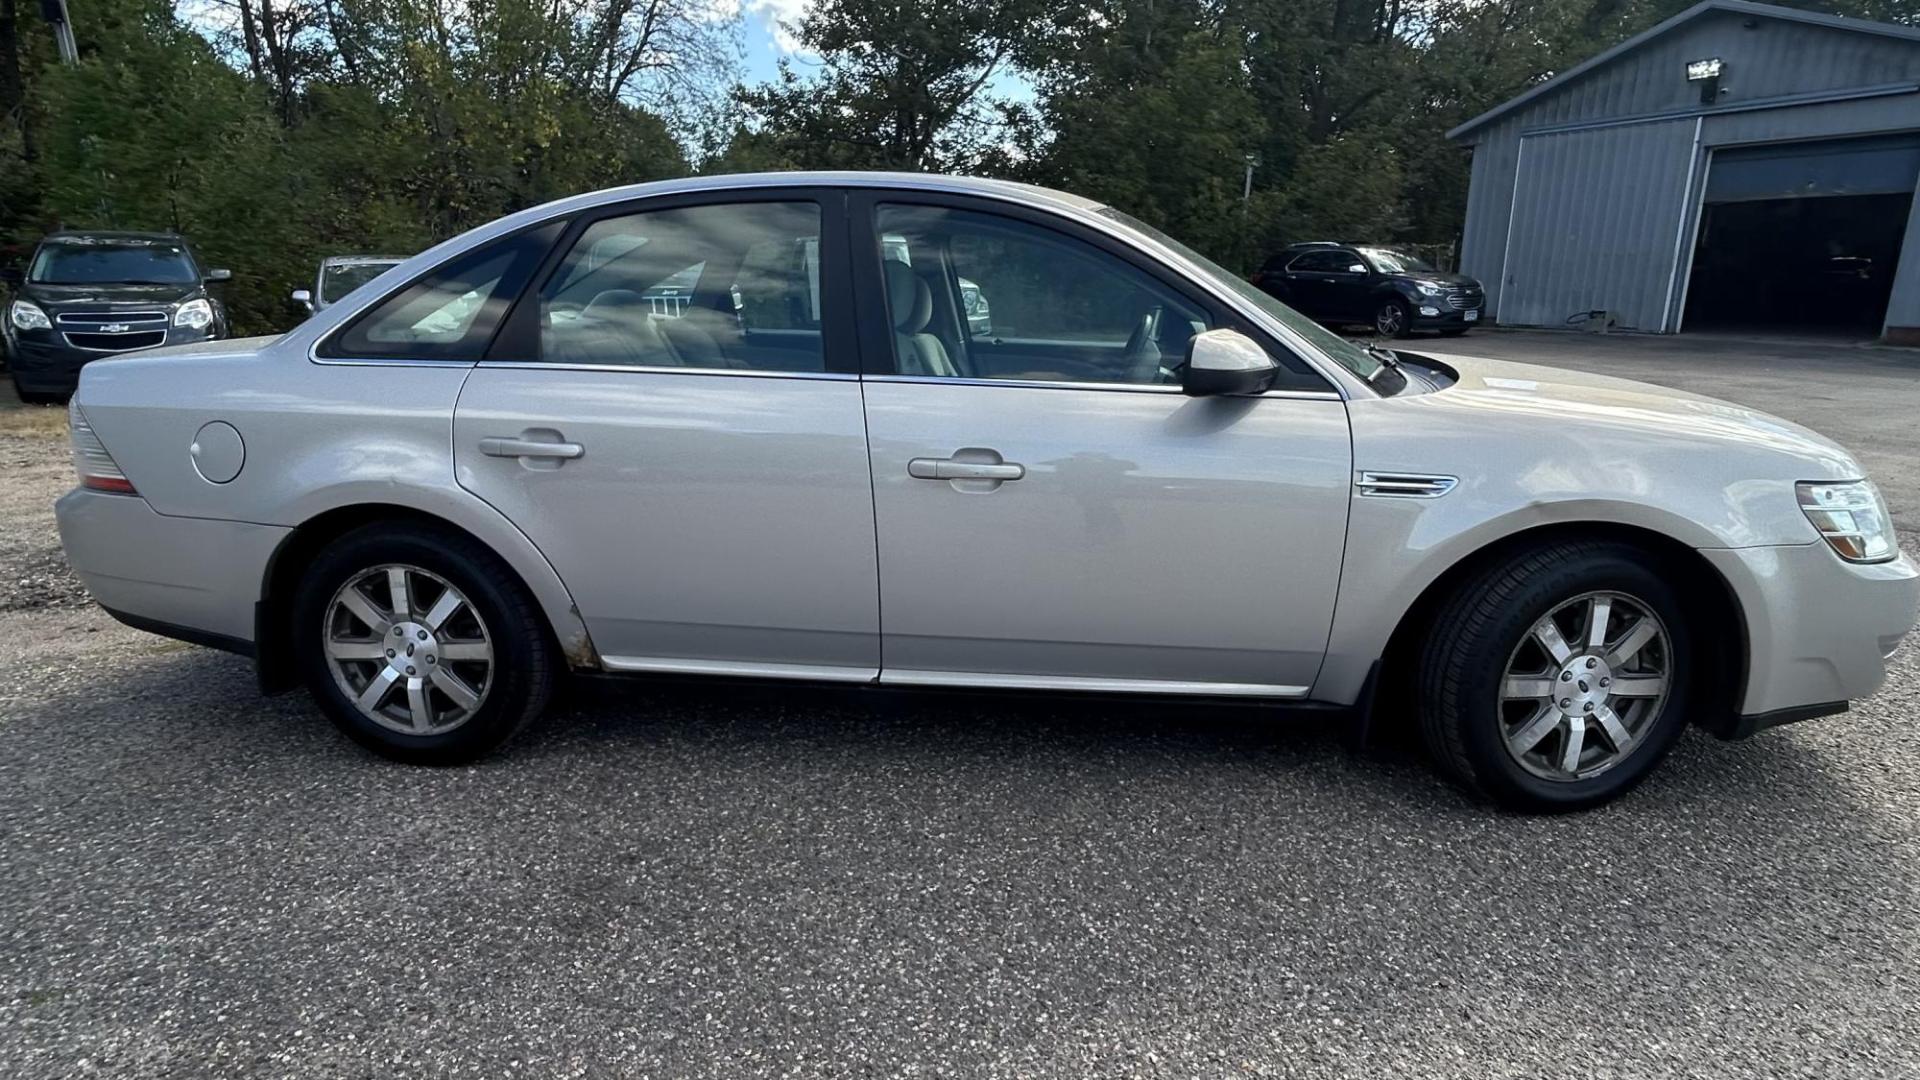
column 1391, row 319
column 1558, row 679
column 420, row 644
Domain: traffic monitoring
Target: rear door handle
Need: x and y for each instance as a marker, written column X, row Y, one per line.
column 516, row 447
column 950, row 469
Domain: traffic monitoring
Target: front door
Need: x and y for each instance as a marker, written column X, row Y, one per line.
column 1051, row 509
column 681, row 434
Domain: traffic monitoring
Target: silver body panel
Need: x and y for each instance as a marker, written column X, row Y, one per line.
column 1223, row 516
column 711, row 518
column 746, row 524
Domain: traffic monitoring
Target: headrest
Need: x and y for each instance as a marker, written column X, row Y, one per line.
column 616, row 304
column 907, row 297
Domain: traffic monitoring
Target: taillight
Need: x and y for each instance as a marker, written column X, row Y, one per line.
column 90, row 458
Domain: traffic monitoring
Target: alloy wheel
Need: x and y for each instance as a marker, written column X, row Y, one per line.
column 408, row 649
column 1390, row 320
column 1585, row 686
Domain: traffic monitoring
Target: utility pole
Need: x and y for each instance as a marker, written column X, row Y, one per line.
column 55, row 12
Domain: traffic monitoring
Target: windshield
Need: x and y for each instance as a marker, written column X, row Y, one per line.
column 338, row 281
column 1344, row 352
column 1387, row 261
column 102, row 262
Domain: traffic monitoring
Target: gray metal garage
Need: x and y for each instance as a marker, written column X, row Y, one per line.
column 1740, row 165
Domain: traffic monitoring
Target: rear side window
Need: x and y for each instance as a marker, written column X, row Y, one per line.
column 452, row 312
column 1325, row 262
column 730, row 285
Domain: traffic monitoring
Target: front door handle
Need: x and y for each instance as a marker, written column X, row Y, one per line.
column 953, row 469
column 518, row 447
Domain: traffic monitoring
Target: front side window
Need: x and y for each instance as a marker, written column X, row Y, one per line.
column 732, row 285
column 1324, row 262
column 82, row 261
column 452, row 312
column 973, row 295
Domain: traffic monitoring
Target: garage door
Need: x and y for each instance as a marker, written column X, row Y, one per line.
column 1596, row 220
column 1888, row 165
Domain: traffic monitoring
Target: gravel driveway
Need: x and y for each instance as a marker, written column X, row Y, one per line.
column 719, row 882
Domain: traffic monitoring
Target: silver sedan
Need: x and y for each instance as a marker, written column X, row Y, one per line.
column 748, row 426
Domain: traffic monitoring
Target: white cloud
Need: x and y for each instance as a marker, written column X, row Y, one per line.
column 780, row 17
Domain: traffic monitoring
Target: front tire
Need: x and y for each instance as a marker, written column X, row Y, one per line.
column 1558, row 678
column 420, row 644
column 1392, row 319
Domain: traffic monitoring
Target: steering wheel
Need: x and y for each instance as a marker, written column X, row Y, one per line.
column 1141, row 357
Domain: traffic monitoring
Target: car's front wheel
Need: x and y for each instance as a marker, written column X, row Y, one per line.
column 1391, row 319
column 1559, row 678
column 420, row 644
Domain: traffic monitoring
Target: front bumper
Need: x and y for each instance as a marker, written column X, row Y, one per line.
column 1447, row 318
column 193, row 578
column 1819, row 629
column 43, row 362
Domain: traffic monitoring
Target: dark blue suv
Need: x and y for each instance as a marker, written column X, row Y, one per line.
column 1391, row 291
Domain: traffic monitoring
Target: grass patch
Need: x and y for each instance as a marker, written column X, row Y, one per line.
column 42, row 421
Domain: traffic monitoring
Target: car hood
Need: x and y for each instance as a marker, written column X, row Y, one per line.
column 106, row 297
column 1461, row 280
column 1607, row 406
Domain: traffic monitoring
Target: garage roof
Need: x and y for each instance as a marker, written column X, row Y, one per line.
column 1742, row 7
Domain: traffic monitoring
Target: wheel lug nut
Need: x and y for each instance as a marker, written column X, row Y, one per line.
column 1606, row 682
column 389, row 652
column 423, row 637
column 1592, row 663
column 399, row 631
column 410, row 671
column 1588, row 706
column 433, row 659
column 1566, row 703
column 1566, row 676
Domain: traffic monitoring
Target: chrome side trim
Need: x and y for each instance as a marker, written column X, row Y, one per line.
column 1046, row 384
column 992, row 681
column 646, row 369
column 674, row 665
column 1385, row 485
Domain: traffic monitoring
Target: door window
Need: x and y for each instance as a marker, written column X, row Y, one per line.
column 452, row 313
column 974, row 295
column 732, row 285
column 1325, row 262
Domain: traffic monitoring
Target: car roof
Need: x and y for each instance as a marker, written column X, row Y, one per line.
column 110, row 236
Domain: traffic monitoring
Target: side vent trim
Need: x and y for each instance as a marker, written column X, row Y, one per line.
column 1385, row 485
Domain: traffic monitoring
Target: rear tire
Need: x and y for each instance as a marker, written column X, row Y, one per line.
column 1501, row 695
column 420, row 644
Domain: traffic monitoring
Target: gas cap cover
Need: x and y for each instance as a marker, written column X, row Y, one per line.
column 217, row 452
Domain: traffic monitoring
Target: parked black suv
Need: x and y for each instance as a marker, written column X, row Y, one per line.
column 85, row 295
column 1391, row 291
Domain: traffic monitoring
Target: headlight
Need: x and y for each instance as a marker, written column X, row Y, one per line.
column 1851, row 517
column 27, row 315
column 1429, row 288
column 194, row 315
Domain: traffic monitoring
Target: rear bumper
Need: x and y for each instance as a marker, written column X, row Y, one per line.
column 1819, row 629
column 191, row 578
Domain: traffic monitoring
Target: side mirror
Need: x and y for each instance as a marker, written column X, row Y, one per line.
column 304, row 299
column 1356, row 268
column 219, row 275
column 1226, row 362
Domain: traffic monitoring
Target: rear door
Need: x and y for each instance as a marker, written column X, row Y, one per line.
column 673, row 415
column 1055, row 512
